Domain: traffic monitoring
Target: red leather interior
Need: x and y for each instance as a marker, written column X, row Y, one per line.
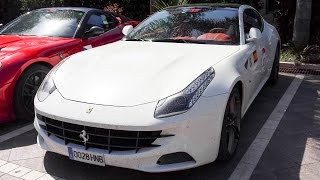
column 215, row 37
column 184, row 37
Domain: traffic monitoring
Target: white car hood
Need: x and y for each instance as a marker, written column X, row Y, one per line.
column 132, row 73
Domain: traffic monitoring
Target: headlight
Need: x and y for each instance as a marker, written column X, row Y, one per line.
column 47, row 87
column 185, row 99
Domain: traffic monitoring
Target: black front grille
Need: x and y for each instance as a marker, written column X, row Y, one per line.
column 108, row 139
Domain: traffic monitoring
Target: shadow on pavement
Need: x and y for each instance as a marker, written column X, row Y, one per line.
column 11, row 126
column 294, row 150
column 254, row 119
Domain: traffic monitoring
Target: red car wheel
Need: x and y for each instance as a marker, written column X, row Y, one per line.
column 26, row 90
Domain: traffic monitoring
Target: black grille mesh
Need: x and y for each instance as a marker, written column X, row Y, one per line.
column 108, row 139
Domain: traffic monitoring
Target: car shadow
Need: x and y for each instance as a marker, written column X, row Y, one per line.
column 13, row 125
column 25, row 139
column 252, row 122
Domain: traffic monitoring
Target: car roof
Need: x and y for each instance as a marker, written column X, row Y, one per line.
column 223, row 5
column 83, row 9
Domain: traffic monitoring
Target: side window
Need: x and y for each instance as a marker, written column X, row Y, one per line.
column 105, row 21
column 260, row 20
column 111, row 21
column 94, row 20
column 251, row 18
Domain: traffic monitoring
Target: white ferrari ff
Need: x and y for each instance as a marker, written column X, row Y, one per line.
column 169, row 96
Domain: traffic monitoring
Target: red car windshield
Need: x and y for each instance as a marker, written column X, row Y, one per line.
column 205, row 25
column 51, row 23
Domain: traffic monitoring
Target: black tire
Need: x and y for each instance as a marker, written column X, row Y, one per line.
column 230, row 133
column 25, row 90
column 274, row 75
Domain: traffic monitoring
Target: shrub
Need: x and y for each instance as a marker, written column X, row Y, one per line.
column 311, row 54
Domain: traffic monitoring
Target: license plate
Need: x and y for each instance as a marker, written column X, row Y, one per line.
column 86, row 157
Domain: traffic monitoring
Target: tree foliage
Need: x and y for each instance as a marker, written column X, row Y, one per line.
column 136, row 9
column 255, row 3
column 284, row 15
column 161, row 4
column 10, row 9
column 301, row 30
column 28, row 5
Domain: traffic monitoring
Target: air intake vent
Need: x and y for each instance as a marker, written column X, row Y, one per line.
column 174, row 158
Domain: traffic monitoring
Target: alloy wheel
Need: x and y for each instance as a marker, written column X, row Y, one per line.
column 30, row 89
column 233, row 123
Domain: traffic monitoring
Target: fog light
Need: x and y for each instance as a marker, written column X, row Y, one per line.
column 173, row 158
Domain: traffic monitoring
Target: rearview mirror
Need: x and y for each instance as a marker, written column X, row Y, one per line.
column 127, row 29
column 94, row 31
column 254, row 34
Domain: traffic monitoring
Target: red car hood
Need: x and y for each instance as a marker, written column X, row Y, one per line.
column 12, row 44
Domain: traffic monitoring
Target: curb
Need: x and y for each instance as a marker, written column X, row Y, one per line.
column 300, row 66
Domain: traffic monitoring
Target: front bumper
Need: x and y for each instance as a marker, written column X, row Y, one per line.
column 196, row 132
column 6, row 102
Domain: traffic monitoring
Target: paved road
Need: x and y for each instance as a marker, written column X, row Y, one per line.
column 293, row 152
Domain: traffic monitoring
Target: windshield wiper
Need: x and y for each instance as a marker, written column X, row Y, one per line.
column 6, row 34
column 171, row 40
column 15, row 34
column 179, row 41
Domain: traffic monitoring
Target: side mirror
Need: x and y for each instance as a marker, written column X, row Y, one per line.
column 127, row 29
column 254, row 34
column 1, row 25
column 94, row 31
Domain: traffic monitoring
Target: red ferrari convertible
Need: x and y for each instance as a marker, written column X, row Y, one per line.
column 33, row 43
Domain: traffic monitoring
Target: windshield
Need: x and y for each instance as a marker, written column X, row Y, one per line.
column 206, row 25
column 51, row 22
